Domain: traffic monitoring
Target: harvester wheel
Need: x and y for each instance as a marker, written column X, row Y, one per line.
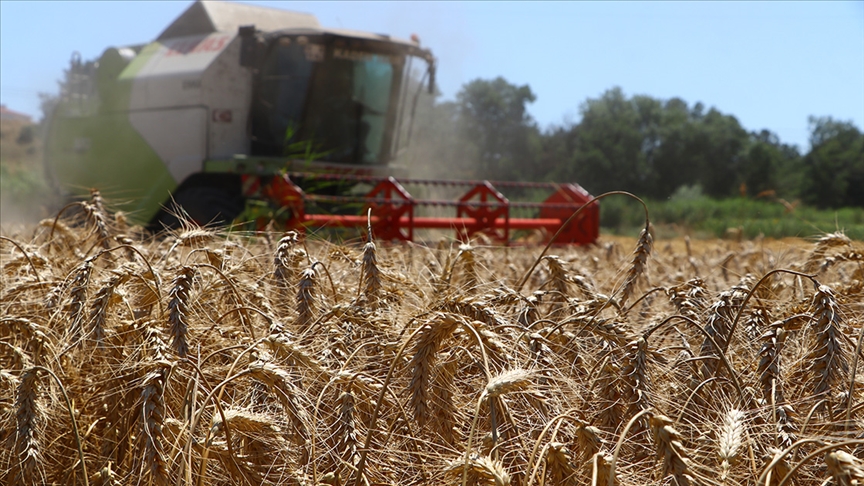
column 203, row 205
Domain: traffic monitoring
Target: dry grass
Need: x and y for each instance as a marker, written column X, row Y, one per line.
column 212, row 358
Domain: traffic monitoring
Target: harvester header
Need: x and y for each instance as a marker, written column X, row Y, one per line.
column 394, row 213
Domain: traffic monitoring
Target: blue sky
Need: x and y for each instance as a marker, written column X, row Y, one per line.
column 770, row 64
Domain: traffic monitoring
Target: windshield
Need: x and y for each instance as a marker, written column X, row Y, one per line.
column 330, row 102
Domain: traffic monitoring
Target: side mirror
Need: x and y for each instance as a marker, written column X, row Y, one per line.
column 249, row 46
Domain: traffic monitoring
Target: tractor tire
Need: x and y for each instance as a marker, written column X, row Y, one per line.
column 202, row 205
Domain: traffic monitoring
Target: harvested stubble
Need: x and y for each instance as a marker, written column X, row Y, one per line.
column 209, row 358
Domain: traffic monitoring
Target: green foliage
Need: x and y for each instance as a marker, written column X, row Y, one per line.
column 486, row 133
column 655, row 148
column 26, row 136
column 652, row 147
column 300, row 149
column 24, row 194
column 702, row 216
column 494, row 115
column 21, row 182
column 834, row 168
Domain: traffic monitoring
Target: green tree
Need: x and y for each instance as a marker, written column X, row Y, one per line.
column 493, row 114
column 437, row 148
column 651, row 147
column 771, row 165
column 834, row 167
column 608, row 146
column 677, row 163
column 720, row 142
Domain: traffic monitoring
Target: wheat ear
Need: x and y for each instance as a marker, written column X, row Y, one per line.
column 731, row 440
column 445, row 411
column 719, row 327
column 346, row 429
column 178, row 310
column 97, row 216
column 829, row 363
column 280, row 381
column 508, row 382
column 831, row 240
column 371, row 273
column 670, row 450
column 306, row 298
column 844, row 468
column 559, row 469
column 152, row 417
column 250, row 423
column 101, row 301
column 637, row 383
column 689, row 298
column 28, row 416
column 482, row 470
column 558, row 277
column 287, row 258
column 431, row 336
column 78, row 295
column 638, row 264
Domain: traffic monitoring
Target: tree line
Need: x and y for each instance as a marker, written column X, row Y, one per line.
column 641, row 144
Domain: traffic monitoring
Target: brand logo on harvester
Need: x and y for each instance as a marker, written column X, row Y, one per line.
column 221, row 116
column 196, row 46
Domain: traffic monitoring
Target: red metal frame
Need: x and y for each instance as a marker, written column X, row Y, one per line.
column 485, row 217
column 483, row 209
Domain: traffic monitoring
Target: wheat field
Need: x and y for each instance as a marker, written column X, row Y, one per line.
column 218, row 358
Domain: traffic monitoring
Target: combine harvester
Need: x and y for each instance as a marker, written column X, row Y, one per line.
column 236, row 111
